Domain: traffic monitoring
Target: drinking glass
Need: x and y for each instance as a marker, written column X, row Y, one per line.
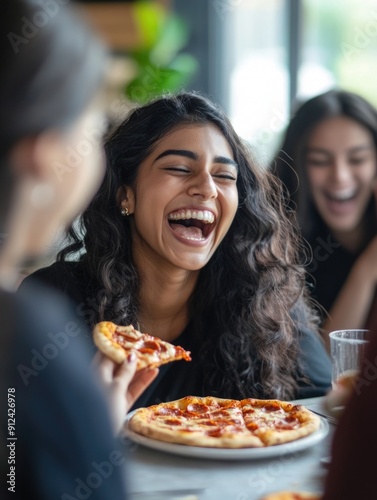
column 347, row 350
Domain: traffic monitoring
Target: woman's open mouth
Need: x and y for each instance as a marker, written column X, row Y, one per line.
column 342, row 197
column 194, row 225
column 341, row 203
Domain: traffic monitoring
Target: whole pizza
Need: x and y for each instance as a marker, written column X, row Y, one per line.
column 224, row 423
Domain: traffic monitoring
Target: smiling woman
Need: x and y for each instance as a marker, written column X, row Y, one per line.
column 328, row 161
column 190, row 180
column 187, row 240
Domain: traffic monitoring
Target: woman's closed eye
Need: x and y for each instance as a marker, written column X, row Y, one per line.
column 226, row 176
column 317, row 162
column 178, row 168
column 358, row 160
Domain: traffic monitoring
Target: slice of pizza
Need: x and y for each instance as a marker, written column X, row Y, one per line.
column 277, row 422
column 117, row 342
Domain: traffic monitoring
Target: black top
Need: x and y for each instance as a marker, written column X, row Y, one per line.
column 64, row 446
column 180, row 378
column 327, row 272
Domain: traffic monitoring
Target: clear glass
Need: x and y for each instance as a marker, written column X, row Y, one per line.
column 347, row 351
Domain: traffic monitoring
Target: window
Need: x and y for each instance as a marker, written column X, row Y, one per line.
column 259, row 80
column 339, row 47
column 335, row 45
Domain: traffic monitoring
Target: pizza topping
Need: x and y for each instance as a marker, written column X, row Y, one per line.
column 291, row 419
column 197, row 408
column 272, row 407
column 210, row 423
column 215, row 432
column 220, row 413
column 169, row 411
column 172, row 421
column 153, row 345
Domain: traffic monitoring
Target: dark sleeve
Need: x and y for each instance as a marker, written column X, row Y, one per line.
column 66, row 277
column 64, row 448
column 314, row 377
column 70, row 279
column 352, row 471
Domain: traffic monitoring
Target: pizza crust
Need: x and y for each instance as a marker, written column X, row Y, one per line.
column 106, row 345
column 307, row 421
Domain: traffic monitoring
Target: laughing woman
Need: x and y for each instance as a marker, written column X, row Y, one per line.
column 186, row 239
column 328, row 162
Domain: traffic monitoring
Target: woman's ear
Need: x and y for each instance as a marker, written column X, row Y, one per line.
column 126, row 199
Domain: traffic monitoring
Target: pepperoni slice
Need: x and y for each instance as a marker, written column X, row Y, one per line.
column 172, row 421
column 197, row 408
column 220, row 413
column 215, row 432
column 151, row 345
column 169, row 411
column 271, row 408
column 252, row 426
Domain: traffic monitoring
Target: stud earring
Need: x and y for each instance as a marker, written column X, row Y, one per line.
column 124, row 211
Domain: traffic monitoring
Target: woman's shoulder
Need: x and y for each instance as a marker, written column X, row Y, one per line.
column 69, row 277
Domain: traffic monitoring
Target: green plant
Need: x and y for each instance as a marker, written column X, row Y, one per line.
column 160, row 67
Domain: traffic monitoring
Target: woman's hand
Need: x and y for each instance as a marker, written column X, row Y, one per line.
column 335, row 400
column 122, row 384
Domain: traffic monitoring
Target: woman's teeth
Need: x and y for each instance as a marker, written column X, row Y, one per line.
column 203, row 215
column 344, row 196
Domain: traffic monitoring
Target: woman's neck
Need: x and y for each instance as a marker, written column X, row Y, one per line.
column 164, row 302
column 353, row 240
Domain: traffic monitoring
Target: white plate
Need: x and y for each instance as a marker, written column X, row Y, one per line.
column 228, row 453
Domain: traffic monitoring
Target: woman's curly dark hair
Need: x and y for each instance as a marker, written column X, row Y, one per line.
column 241, row 311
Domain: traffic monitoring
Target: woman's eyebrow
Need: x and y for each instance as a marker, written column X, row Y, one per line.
column 362, row 147
column 178, row 152
column 193, row 156
column 317, row 150
column 225, row 160
column 354, row 149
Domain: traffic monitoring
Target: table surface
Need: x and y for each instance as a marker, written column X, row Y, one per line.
column 156, row 471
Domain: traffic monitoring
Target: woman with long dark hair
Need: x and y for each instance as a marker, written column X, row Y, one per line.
column 187, row 240
column 328, row 162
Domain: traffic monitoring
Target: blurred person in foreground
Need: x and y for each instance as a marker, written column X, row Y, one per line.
column 58, row 437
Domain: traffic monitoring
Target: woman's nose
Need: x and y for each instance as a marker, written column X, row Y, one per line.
column 203, row 186
column 341, row 172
